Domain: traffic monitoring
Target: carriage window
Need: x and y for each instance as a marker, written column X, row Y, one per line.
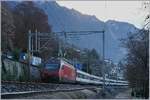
column 91, row 78
column 87, row 77
column 80, row 75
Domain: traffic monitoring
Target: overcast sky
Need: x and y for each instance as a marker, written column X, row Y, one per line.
column 127, row 11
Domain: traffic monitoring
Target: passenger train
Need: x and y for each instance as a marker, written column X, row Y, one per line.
column 60, row 70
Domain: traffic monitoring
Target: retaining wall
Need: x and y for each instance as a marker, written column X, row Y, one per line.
column 17, row 71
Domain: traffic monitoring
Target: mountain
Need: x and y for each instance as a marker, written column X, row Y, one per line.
column 114, row 33
column 64, row 19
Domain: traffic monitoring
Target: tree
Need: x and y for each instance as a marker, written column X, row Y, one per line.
column 71, row 53
column 137, row 64
column 24, row 17
column 121, row 69
column 28, row 17
column 145, row 8
column 7, row 35
column 86, row 68
column 137, row 61
column 51, row 49
column 94, row 55
column 91, row 61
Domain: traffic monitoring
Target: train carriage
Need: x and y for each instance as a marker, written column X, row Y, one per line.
column 86, row 78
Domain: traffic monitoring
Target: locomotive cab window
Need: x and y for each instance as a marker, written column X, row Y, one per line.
column 52, row 66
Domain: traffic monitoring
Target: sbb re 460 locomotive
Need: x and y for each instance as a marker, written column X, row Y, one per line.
column 58, row 70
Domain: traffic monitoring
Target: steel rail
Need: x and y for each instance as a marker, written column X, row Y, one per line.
column 31, row 93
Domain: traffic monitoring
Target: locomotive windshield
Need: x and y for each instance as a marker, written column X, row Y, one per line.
column 52, row 66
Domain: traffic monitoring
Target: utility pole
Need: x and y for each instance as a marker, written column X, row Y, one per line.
column 36, row 40
column 65, row 45
column 88, row 61
column 59, row 51
column 31, row 41
column 103, row 68
column 29, row 52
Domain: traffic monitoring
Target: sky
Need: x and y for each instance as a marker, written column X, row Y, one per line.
column 127, row 11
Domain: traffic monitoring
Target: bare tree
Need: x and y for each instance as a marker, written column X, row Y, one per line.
column 7, row 23
column 28, row 17
column 137, row 61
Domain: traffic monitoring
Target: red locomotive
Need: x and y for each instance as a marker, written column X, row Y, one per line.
column 58, row 70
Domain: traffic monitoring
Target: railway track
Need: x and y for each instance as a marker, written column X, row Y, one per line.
column 14, row 95
column 11, row 89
